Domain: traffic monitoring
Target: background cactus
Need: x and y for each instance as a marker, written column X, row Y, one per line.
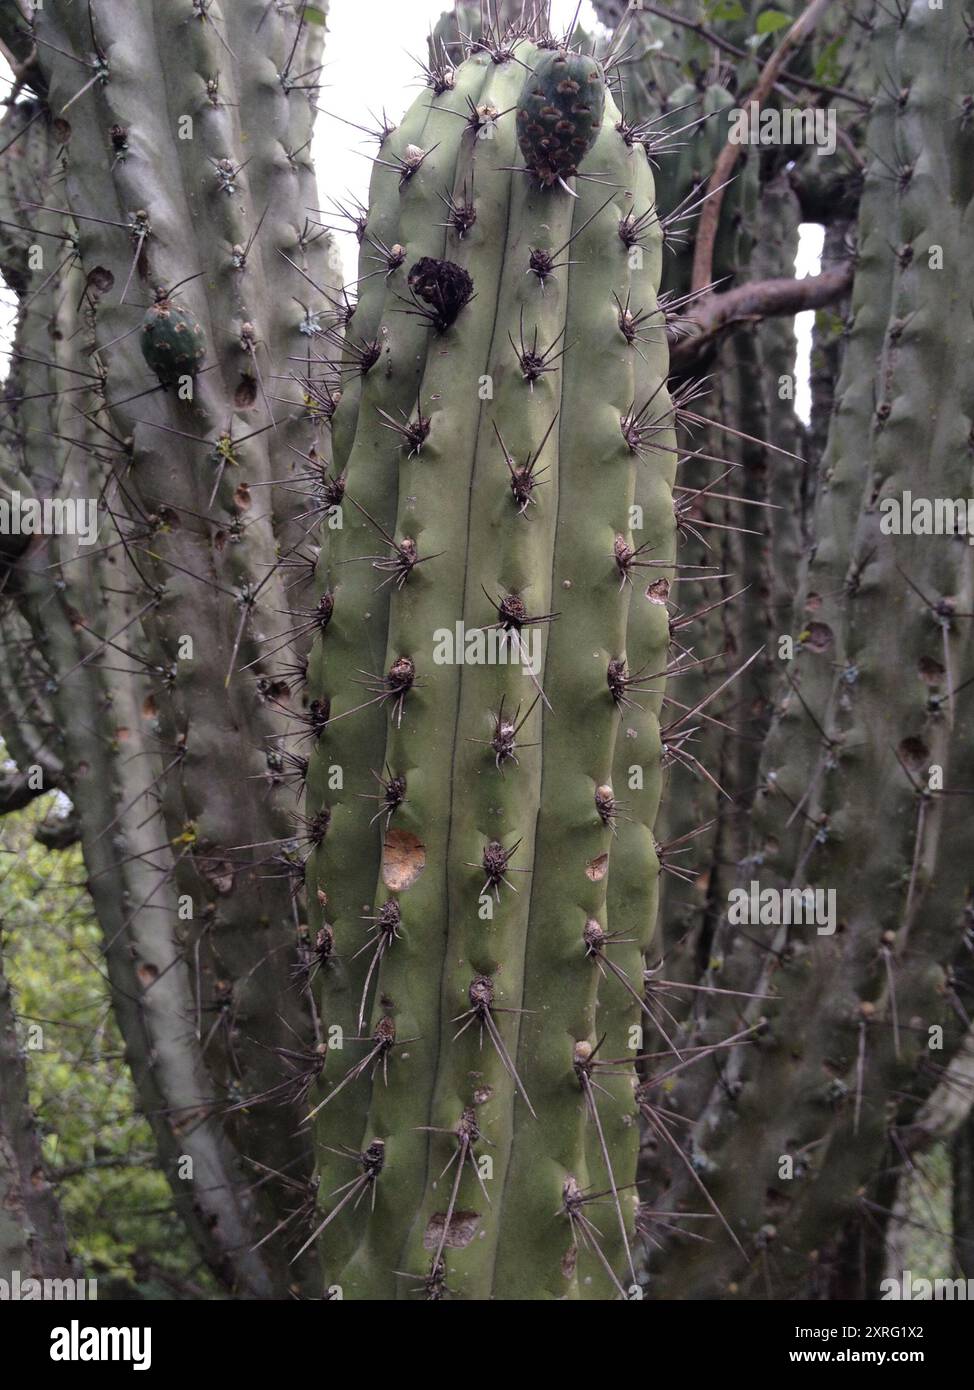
column 891, row 972
column 376, row 905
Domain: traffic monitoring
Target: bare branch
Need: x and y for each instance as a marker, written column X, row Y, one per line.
column 714, row 314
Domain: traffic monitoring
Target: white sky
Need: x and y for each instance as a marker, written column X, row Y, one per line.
column 391, row 35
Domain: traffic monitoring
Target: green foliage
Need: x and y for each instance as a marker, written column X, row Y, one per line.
column 122, row 1225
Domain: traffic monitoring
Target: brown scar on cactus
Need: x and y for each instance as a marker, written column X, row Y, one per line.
column 403, row 859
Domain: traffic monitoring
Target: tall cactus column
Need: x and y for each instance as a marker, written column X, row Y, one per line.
column 187, row 170
column 528, row 408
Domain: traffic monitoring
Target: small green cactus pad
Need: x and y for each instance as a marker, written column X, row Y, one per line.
column 173, row 341
column 560, row 113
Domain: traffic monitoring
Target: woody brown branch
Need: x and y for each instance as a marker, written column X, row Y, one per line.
column 703, row 255
column 711, row 317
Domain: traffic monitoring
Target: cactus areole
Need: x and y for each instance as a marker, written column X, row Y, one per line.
column 173, row 341
column 559, row 113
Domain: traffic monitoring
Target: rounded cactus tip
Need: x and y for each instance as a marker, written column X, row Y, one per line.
column 559, row 114
column 173, row 340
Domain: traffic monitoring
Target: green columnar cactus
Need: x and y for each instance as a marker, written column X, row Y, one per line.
column 92, row 735
column 187, row 169
column 470, row 928
column 855, row 762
